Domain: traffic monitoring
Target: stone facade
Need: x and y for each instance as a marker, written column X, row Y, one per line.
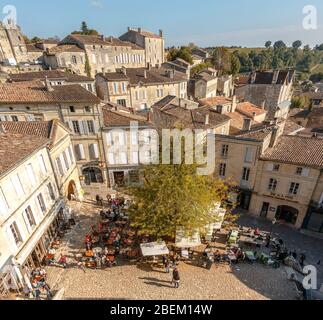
column 68, row 57
column 107, row 54
column 270, row 89
column 154, row 45
column 30, row 209
column 80, row 112
column 125, row 134
column 13, row 49
column 140, row 88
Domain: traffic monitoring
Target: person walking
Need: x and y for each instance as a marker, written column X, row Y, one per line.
column 302, row 259
column 176, row 278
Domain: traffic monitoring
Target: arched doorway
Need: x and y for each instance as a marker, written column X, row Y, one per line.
column 92, row 175
column 287, row 214
column 71, row 191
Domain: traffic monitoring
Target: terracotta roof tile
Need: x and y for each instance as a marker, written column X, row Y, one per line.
column 297, row 150
column 36, row 92
column 50, row 74
column 14, row 148
column 136, row 76
column 117, row 118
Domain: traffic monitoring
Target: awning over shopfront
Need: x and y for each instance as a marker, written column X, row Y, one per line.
column 154, row 249
column 183, row 240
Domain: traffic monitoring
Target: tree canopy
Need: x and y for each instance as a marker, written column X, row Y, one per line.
column 84, row 30
column 280, row 56
column 174, row 196
column 184, row 53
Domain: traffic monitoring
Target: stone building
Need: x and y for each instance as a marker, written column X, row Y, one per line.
column 31, row 208
column 271, row 89
column 172, row 111
column 124, row 133
column 66, row 57
column 140, row 88
column 60, row 149
column 226, row 87
column 55, row 78
column 153, row 44
column 107, row 54
column 244, row 115
column 78, row 108
column 205, row 84
column 290, row 181
column 13, row 48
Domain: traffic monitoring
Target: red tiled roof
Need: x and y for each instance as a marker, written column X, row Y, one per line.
column 249, row 109
column 50, row 74
column 136, row 76
column 36, row 92
column 117, row 118
column 297, row 150
column 15, row 148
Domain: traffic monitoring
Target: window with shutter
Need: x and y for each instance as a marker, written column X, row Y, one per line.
column 94, row 151
column 84, row 127
column 123, row 158
column 111, row 158
column 16, row 182
column 135, row 157
column 42, row 164
column 31, row 174
column 4, row 206
column 60, row 167
column 134, row 138
column 249, row 155
column 122, row 140
column 81, row 152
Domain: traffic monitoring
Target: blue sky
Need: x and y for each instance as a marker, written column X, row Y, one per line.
column 204, row 22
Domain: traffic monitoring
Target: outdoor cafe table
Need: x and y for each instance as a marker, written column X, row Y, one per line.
column 250, row 241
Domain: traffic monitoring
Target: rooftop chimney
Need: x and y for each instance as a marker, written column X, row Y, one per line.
column 161, row 33
column 253, row 77
column 128, row 28
column 263, row 105
column 207, row 119
column 275, row 76
column 124, row 71
column 102, row 37
column 148, row 65
column 219, row 108
column 274, row 137
column 149, row 116
column 145, row 74
column 254, row 114
column 234, row 103
column 139, row 30
column 48, row 85
column 246, row 124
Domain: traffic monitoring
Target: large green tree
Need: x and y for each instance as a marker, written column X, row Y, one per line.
column 184, row 53
column 174, row 196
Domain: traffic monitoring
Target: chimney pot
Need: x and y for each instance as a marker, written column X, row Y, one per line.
column 161, row 33
column 48, row 85
column 139, row 30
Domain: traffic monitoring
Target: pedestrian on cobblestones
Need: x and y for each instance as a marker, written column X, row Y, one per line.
column 302, row 259
column 176, row 278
